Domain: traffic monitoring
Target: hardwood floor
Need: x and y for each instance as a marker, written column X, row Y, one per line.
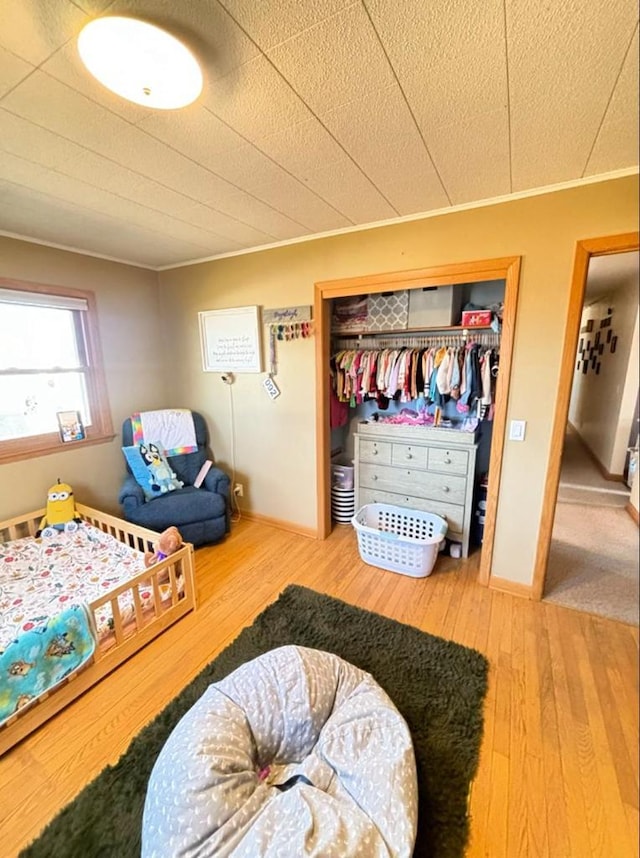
column 558, row 773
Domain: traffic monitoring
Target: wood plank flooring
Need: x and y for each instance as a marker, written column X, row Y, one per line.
column 558, row 773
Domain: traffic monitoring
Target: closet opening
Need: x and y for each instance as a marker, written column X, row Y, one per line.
column 413, row 369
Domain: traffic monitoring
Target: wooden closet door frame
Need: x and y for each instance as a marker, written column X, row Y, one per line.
column 505, row 268
column 584, row 252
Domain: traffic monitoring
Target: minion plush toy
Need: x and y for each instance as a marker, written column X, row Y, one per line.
column 61, row 511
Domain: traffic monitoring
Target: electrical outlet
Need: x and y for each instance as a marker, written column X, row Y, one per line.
column 238, row 490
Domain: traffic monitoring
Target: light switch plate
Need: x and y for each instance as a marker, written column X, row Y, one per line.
column 517, row 429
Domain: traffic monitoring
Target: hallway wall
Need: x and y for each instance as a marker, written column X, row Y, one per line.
column 602, row 403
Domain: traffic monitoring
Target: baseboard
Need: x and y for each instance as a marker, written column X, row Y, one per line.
column 515, row 588
column 289, row 526
column 633, row 512
column 614, row 478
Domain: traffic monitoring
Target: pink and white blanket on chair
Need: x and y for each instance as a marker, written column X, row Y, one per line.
column 172, row 429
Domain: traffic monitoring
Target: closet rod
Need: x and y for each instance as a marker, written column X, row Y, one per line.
column 484, row 338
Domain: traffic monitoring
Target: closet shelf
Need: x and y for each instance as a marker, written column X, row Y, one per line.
column 393, row 332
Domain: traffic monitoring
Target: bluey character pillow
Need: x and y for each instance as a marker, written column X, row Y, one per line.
column 151, row 470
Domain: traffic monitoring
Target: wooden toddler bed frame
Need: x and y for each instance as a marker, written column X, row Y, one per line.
column 125, row 640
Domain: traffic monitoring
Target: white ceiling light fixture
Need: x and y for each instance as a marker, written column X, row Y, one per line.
column 140, row 62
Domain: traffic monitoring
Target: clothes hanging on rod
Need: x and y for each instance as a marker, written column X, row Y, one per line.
column 437, row 374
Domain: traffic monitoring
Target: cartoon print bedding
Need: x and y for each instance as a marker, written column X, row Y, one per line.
column 39, row 578
column 40, row 659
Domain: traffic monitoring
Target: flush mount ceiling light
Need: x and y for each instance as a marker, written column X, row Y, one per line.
column 140, row 62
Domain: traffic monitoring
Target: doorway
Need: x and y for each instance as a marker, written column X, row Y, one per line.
column 507, row 269
column 587, row 548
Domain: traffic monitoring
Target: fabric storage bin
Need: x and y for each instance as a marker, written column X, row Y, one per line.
column 431, row 307
column 388, row 311
column 399, row 539
column 350, row 315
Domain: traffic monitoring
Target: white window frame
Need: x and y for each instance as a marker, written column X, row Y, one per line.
column 101, row 428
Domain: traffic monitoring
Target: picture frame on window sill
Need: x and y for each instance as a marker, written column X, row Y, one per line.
column 70, row 426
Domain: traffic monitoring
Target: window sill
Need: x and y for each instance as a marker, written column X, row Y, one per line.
column 24, row 448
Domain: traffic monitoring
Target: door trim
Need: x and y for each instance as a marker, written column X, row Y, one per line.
column 506, row 268
column 585, row 249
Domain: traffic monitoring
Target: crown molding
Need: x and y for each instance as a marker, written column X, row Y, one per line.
column 478, row 204
column 448, row 210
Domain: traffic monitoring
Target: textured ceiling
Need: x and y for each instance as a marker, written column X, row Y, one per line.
column 316, row 116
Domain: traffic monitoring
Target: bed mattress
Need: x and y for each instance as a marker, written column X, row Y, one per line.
column 39, row 578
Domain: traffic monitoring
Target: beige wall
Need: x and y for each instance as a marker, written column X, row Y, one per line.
column 602, row 405
column 629, row 398
column 635, row 491
column 273, row 445
column 132, row 347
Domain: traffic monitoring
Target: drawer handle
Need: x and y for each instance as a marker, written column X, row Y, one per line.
column 445, row 489
column 447, row 461
column 409, row 456
column 374, row 452
column 374, row 477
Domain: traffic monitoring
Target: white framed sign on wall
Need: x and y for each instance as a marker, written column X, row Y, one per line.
column 230, row 340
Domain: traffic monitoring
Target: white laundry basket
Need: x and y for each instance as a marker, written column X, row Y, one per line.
column 399, row 539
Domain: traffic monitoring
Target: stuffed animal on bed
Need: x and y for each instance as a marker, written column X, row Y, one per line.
column 61, row 511
column 168, row 542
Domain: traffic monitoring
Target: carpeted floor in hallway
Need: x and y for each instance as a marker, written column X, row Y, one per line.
column 593, row 561
column 581, row 481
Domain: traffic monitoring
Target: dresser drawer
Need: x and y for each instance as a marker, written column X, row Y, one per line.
column 374, row 451
column 442, row 487
column 448, row 461
column 452, row 513
column 409, row 454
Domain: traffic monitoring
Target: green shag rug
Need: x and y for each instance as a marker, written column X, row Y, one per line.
column 437, row 685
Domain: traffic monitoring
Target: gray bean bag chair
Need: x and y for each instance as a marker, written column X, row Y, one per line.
column 296, row 753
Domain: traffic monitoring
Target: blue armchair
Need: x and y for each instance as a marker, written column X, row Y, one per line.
column 202, row 515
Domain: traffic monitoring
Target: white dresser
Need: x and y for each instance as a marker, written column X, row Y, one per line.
column 418, row 467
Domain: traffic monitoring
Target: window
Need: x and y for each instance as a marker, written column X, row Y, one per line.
column 50, row 362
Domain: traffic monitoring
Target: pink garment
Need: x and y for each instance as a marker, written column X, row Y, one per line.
column 338, row 411
column 409, row 417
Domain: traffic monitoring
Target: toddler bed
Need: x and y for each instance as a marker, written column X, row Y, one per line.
column 90, row 584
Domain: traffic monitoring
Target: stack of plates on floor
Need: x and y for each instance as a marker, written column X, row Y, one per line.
column 343, row 503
